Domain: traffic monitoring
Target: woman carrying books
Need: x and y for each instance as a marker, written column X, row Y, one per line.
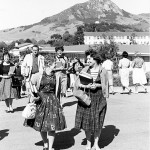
column 91, row 118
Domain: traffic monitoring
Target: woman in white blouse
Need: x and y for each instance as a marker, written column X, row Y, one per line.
column 124, row 65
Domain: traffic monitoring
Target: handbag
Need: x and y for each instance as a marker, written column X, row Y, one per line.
column 82, row 96
column 29, row 111
column 15, row 82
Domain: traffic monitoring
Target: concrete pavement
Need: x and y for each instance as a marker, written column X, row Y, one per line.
column 126, row 125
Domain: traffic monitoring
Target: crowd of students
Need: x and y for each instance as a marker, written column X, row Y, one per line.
column 46, row 83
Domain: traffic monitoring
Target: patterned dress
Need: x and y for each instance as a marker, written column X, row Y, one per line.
column 49, row 114
column 91, row 118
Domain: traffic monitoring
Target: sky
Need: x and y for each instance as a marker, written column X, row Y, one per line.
column 14, row 13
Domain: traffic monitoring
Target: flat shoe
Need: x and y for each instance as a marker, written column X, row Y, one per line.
column 88, row 148
column 7, row 111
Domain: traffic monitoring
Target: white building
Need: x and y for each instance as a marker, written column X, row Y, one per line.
column 126, row 38
column 19, row 48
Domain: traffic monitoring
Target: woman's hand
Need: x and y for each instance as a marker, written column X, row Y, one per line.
column 93, row 87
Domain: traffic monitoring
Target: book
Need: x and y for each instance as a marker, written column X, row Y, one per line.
column 85, row 78
column 59, row 64
column 11, row 70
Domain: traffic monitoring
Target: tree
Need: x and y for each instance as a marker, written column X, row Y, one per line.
column 34, row 41
column 41, row 42
column 28, row 41
column 58, row 43
column 56, row 37
column 67, row 38
column 3, row 46
column 11, row 45
column 79, row 36
column 105, row 49
column 21, row 41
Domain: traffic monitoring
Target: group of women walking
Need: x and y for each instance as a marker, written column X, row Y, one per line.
column 49, row 116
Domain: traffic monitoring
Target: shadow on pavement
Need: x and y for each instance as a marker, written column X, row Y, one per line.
column 108, row 134
column 3, row 133
column 19, row 108
column 63, row 139
column 69, row 103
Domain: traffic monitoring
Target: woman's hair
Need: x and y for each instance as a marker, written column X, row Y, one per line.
column 94, row 54
column 125, row 54
column 59, row 48
column 108, row 56
column 73, row 66
column 6, row 53
column 16, row 61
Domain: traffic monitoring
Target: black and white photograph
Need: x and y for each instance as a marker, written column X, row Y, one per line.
column 74, row 75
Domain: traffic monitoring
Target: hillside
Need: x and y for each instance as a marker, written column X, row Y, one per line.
column 69, row 19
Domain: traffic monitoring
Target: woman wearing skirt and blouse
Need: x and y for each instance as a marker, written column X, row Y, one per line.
column 124, row 65
column 6, row 90
column 91, row 118
column 49, row 115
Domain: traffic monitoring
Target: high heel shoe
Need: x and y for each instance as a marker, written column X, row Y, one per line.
column 130, row 91
column 146, row 91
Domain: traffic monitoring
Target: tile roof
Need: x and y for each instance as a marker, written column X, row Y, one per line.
column 116, row 33
column 131, row 49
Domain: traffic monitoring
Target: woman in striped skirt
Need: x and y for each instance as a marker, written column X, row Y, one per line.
column 91, row 118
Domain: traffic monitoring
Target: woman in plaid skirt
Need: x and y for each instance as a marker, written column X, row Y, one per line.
column 91, row 118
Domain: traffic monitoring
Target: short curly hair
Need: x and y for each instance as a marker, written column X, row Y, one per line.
column 59, row 48
column 125, row 54
column 95, row 55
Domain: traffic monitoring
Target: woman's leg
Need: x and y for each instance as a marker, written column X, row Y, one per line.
column 10, row 104
column 96, row 139
column 88, row 137
column 7, row 104
column 51, row 136
column 136, row 88
column 44, row 138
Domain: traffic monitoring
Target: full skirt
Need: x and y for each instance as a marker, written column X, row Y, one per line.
column 6, row 90
column 139, row 76
column 91, row 118
column 49, row 115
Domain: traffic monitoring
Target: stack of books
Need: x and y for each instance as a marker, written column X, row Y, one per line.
column 85, row 78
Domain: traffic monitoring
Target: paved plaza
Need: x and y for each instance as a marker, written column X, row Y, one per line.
column 126, row 126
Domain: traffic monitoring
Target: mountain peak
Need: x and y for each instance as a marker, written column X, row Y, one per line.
column 87, row 12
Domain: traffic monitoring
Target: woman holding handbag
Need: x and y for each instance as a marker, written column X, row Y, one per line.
column 90, row 118
column 49, row 115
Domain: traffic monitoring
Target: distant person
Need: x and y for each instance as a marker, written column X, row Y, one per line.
column 17, row 78
column 32, row 68
column 139, row 69
column 124, row 65
column 108, row 65
column 6, row 90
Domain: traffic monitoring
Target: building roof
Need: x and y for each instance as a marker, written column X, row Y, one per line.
column 23, row 45
column 131, row 49
column 116, row 33
column 67, row 49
